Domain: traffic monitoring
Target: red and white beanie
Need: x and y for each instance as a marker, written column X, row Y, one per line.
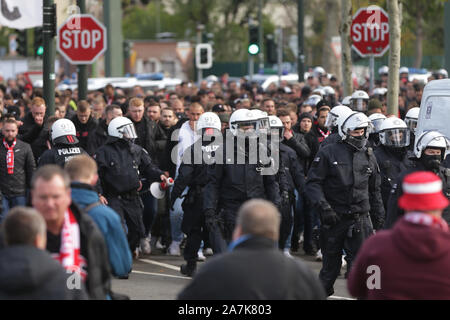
column 422, row 191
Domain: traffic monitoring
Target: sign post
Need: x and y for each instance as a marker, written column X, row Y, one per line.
column 370, row 35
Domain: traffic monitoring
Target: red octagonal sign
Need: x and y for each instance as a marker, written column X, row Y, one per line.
column 81, row 39
column 370, row 31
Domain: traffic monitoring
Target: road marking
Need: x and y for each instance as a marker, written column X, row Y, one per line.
column 340, row 298
column 165, row 265
column 160, row 274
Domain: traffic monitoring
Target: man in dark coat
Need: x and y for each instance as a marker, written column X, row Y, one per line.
column 254, row 269
column 84, row 122
column 27, row 271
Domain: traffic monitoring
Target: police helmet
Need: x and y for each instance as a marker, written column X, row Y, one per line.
column 346, row 101
column 123, row 128
column 334, row 115
column 376, row 119
column 312, row 100
column 208, row 120
column 256, row 119
column 359, row 100
column 394, row 133
column 353, row 121
column 411, row 118
column 319, row 71
column 64, row 131
column 431, row 139
column 384, row 70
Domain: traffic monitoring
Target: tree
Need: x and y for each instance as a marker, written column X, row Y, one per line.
column 329, row 61
column 394, row 10
column 346, row 55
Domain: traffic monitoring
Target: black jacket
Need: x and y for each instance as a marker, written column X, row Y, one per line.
column 122, row 164
column 29, row 132
column 299, row 145
column 391, row 165
column 97, row 138
column 146, row 131
column 60, row 154
column 394, row 212
column 230, row 184
column 84, row 130
column 172, row 141
column 28, row 273
column 332, row 138
column 254, row 270
column 98, row 281
column 347, row 180
column 291, row 167
column 16, row 184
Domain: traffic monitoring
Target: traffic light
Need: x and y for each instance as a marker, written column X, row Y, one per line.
column 22, row 42
column 271, row 50
column 203, row 56
column 253, row 43
column 126, row 49
column 38, row 42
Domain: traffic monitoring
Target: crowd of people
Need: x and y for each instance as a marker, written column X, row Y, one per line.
column 80, row 184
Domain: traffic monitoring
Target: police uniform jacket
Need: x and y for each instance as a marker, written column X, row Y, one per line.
column 346, row 179
column 60, row 154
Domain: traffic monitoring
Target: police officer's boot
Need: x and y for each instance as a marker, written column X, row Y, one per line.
column 188, row 269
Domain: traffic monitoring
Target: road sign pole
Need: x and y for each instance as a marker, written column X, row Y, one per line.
column 82, row 68
column 372, row 72
column 200, row 28
column 112, row 17
column 250, row 67
column 49, row 57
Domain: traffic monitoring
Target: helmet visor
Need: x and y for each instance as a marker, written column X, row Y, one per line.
column 411, row 124
column 128, row 131
column 331, row 120
column 377, row 125
column 397, row 138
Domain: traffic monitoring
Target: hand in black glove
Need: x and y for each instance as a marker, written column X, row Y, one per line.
column 329, row 216
column 377, row 223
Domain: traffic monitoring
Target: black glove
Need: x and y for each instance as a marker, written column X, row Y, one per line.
column 210, row 219
column 377, row 222
column 328, row 216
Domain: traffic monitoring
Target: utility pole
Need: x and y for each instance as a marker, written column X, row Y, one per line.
column 260, row 36
column 112, row 17
column 447, row 35
column 300, row 53
column 82, row 68
column 49, row 31
column 279, row 32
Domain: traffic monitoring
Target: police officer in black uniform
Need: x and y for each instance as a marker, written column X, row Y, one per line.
column 65, row 144
column 429, row 151
column 290, row 177
column 192, row 174
column 394, row 141
column 240, row 172
column 121, row 165
column 344, row 184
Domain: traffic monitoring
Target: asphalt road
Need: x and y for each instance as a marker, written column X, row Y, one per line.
column 157, row 277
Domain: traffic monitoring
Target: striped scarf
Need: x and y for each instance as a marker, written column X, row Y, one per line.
column 9, row 156
column 427, row 220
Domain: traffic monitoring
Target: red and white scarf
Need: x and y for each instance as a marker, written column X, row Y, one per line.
column 323, row 134
column 426, row 220
column 9, row 156
column 69, row 254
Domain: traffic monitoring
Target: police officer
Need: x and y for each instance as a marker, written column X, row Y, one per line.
column 394, row 141
column 429, row 153
column 192, row 174
column 376, row 120
column 290, row 177
column 121, row 165
column 331, row 124
column 411, row 119
column 65, row 144
column 359, row 101
column 344, row 185
column 239, row 173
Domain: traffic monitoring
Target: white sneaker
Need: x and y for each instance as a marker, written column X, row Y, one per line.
column 200, row 255
column 319, row 256
column 174, row 249
column 287, row 253
column 145, row 246
column 208, row 252
column 301, row 238
column 159, row 245
column 344, row 263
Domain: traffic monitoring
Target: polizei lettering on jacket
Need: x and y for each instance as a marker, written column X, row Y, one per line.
column 66, row 151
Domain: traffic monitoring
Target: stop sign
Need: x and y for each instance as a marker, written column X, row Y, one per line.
column 370, row 32
column 81, row 39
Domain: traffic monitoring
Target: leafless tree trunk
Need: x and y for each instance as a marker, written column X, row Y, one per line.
column 418, row 46
column 329, row 61
column 394, row 10
column 346, row 56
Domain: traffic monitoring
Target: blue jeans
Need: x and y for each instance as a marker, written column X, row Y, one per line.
column 176, row 218
column 11, row 202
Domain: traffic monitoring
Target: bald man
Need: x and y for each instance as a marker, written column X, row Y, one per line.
column 254, row 269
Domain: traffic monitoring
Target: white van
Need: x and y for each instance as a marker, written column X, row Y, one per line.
column 435, row 108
